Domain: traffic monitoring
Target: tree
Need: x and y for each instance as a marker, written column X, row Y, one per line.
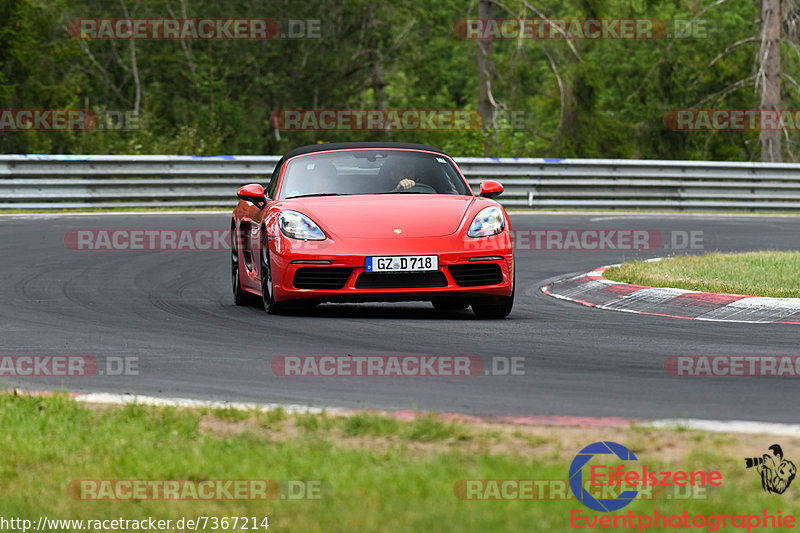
column 769, row 76
column 486, row 106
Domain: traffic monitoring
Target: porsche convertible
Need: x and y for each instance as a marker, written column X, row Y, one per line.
column 357, row 222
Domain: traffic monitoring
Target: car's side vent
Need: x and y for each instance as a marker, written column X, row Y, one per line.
column 328, row 278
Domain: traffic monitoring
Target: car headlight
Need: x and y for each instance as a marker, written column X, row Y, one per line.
column 298, row 226
column 489, row 221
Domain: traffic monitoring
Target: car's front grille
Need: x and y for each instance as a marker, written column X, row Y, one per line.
column 330, row 278
column 476, row 274
column 401, row 280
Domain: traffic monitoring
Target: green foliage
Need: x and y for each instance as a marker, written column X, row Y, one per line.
column 583, row 98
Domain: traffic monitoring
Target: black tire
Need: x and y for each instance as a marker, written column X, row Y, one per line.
column 495, row 306
column 267, row 294
column 240, row 296
column 450, row 304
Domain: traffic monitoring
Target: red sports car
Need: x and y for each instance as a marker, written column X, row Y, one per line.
column 372, row 222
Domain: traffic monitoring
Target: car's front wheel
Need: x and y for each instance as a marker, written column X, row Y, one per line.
column 267, row 290
column 493, row 307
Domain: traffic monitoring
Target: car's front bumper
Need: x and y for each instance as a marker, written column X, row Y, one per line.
column 288, row 256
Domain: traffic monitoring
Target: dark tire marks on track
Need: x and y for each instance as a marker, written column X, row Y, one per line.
column 174, row 311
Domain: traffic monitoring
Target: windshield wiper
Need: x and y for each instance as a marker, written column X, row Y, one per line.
column 317, row 194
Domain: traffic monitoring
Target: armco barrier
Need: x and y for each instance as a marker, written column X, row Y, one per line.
column 126, row 181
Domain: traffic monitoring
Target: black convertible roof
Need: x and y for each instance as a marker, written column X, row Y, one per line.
column 355, row 145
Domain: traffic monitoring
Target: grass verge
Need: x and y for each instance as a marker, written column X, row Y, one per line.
column 383, row 474
column 774, row 274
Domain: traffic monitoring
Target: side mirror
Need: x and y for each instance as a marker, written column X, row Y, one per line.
column 491, row 189
column 253, row 193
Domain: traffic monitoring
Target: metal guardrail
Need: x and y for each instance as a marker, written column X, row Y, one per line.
column 69, row 182
column 126, row 181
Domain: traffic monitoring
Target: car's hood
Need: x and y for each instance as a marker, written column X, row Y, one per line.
column 373, row 216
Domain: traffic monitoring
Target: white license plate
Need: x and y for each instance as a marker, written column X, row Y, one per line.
column 402, row 263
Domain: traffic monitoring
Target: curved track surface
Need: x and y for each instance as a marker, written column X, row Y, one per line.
column 174, row 311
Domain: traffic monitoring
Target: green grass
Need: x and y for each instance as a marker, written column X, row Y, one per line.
column 429, row 428
column 370, row 424
column 774, row 274
column 375, row 486
column 272, row 416
column 230, row 414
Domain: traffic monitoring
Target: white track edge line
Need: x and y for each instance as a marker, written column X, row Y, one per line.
column 127, row 399
column 725, row 426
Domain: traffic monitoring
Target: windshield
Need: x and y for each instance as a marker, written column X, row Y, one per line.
column 371, row 172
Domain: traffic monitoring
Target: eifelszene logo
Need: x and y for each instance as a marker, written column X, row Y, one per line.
column 620, row 476
column 576, row 476
column 776, row 472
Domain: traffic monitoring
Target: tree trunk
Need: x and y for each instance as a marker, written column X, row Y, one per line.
column 485, row 107
column 379, row 82
column 770, row 58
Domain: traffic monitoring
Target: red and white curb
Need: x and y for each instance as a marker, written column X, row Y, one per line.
column 723, row 426
column 593, row 290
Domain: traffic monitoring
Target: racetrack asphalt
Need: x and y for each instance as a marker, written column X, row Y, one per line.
column 174, row 311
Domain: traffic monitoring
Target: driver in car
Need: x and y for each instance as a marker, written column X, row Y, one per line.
column 401, row 171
